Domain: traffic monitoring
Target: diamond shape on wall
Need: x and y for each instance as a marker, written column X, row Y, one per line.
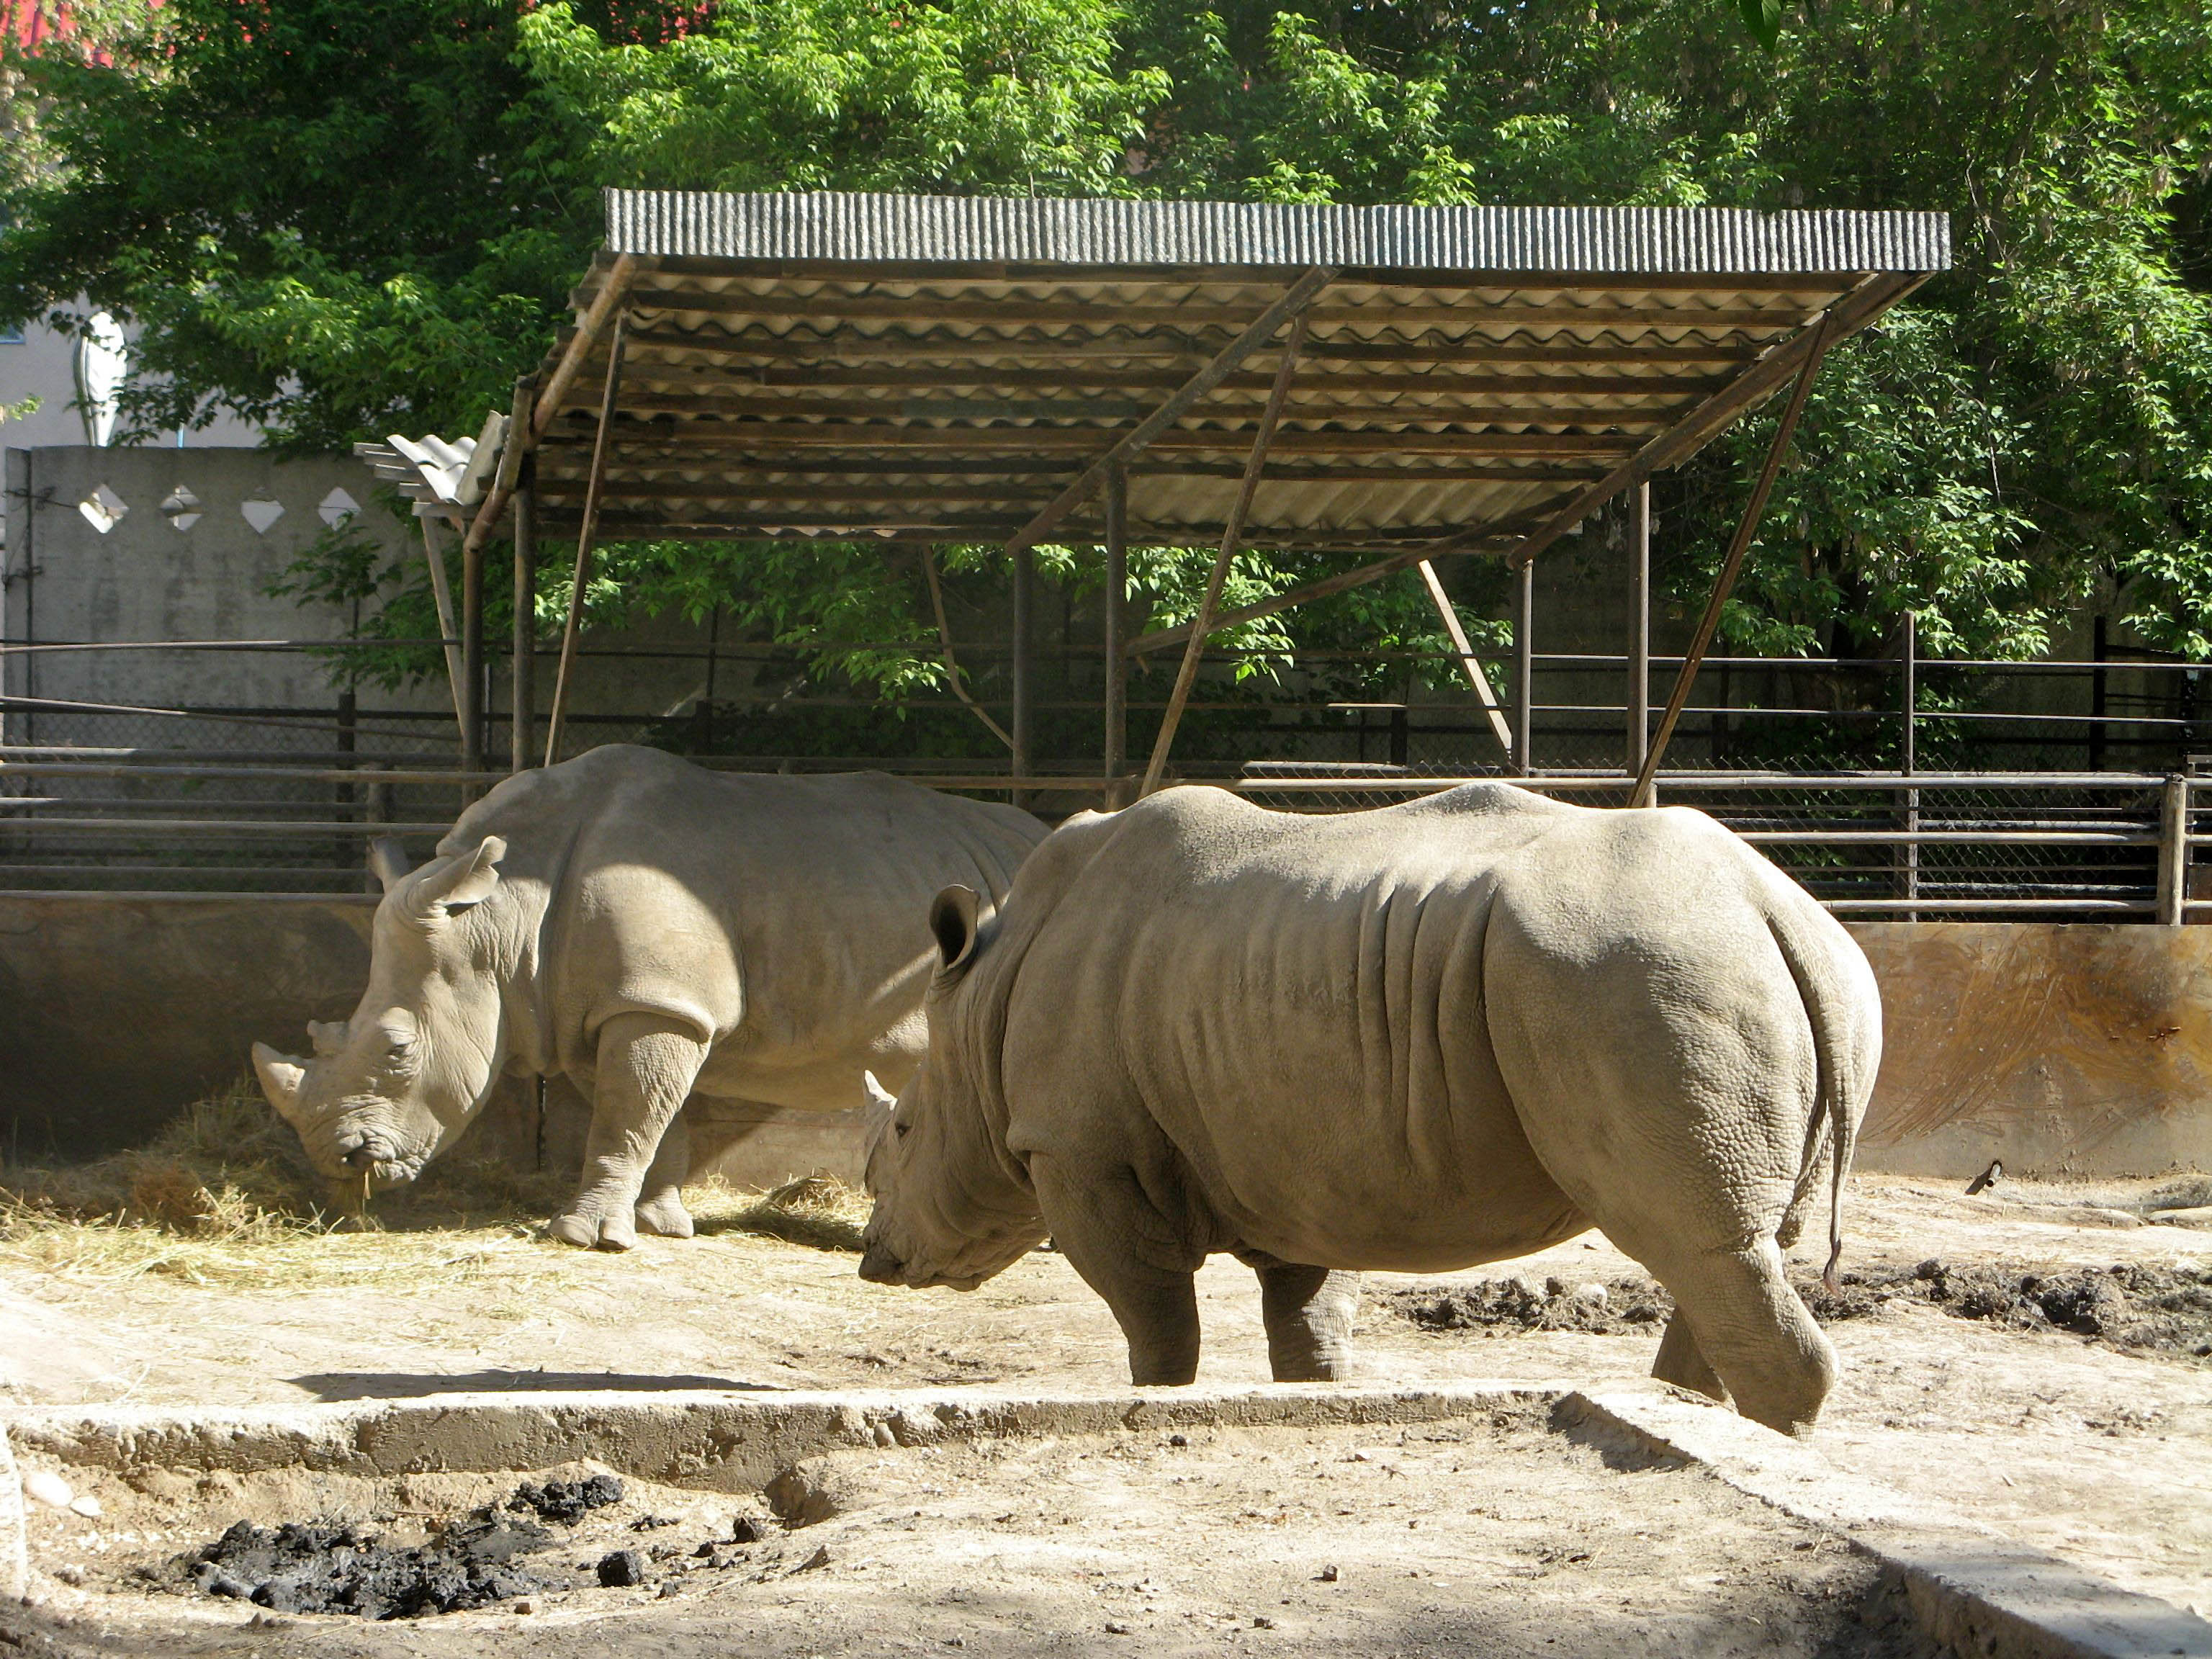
column 261, row 512
column 338, row 507
column 181, row 508
column 103, row 509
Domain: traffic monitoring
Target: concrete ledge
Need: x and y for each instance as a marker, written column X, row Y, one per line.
column 707, row 1439
column 1971, row 1589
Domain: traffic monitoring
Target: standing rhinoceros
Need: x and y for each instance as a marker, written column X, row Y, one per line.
column 1414, row 1039
column 653, row 930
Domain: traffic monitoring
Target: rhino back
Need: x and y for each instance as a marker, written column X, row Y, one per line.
column 1293, row 1005
column 782, row 918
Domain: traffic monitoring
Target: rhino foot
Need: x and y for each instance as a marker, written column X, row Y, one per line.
column 590, row 1228
column 665, row 1216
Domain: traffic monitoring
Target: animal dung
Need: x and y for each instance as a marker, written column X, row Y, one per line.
column 622, row 1569
column 300, row 1567
column 567, row 1501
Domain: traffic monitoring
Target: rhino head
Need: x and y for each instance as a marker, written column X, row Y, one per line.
column 953, row 1206
column 389, row 1087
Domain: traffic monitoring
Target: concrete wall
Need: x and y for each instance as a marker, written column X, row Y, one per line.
column 2060, row 1049
column 2080, row 1050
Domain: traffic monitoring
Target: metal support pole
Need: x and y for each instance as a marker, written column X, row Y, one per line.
column 522, row 665
column 1908, row 758
column 1524, row 667
column 1639, row 629
column 472, row 688
column 1210, row 604
column 1023, row 670
column 2174, row 851
column 587, row 530
column 1115, row 695
column 1702, row 641
column 2098, row 687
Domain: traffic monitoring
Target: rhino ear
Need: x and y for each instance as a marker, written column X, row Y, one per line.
column 280, row 1076
column 387, row 861
column 467, row 878
column 953, row 916
column 329, row 1035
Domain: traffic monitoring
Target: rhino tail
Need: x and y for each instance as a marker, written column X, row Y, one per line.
column 1821, row 960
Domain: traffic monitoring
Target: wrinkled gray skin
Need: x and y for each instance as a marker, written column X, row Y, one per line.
column 1413, row 1040
column 653, row 930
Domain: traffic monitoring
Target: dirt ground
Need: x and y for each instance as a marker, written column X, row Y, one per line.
column 1482, row 1535
column 2097, row 1452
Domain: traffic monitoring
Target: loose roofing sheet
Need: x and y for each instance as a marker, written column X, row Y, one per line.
column 925, row 368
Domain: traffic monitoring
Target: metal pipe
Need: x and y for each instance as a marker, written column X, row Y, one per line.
column 584, row 533
column 1115, row 697
column 441, row 594
column 1024, row 687
column 1524, row 669
column 2174, row 851
column 472, row 687
column 522, row 649
column 1639, row 629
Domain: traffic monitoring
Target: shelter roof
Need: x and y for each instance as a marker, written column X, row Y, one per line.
column 919, row 368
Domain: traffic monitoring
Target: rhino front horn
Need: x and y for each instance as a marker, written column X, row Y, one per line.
column 280, row 1076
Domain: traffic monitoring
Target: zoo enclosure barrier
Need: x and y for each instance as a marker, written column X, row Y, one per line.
column 119, row 799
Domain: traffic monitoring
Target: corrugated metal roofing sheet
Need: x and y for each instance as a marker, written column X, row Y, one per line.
column 1677, row 242
column 934, row 368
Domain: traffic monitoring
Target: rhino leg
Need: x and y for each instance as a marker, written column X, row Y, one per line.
column 1682, row 1363
column 1118, row 1244
column 645, row 1068
column 1309, row 1313
column 660, row 1199
column 1752, row 1335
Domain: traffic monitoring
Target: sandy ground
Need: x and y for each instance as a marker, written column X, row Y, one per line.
column 2105, row 1458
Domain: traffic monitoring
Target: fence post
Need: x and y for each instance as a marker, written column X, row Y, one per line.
column 1524, row 666
column 2174, row 851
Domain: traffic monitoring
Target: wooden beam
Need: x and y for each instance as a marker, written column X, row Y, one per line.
column 473, row 660
column 1262, row 329
column 605, row 304
column 442, row 595
column 1477, row 680
column 1522, row 316
column 799, row 438
column 1202, row 624
column 1101, row 413
column 584, row 533
column 894, row 473
column 809, row 374
column 1185, row 348
column 1746, row 529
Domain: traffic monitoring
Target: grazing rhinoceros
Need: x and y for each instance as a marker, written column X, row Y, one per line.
column 653, row 930
column 1413, row 1039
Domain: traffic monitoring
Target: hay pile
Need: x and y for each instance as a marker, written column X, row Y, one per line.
column 223, row 1195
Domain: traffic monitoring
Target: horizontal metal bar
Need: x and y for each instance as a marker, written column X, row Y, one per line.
column 1996, row 906
column 217, row 826
column 123, row 894
column 1948, row 837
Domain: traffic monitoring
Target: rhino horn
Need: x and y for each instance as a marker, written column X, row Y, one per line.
column 329, row 1035
column 464, row 879
column 387, row 861
column 280, row 1076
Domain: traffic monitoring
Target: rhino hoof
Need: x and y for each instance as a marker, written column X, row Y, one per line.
column 665, row 1217
column 589, row 1232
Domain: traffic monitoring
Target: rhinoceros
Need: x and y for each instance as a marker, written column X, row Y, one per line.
column 653, row 930
column 1413, row 1039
